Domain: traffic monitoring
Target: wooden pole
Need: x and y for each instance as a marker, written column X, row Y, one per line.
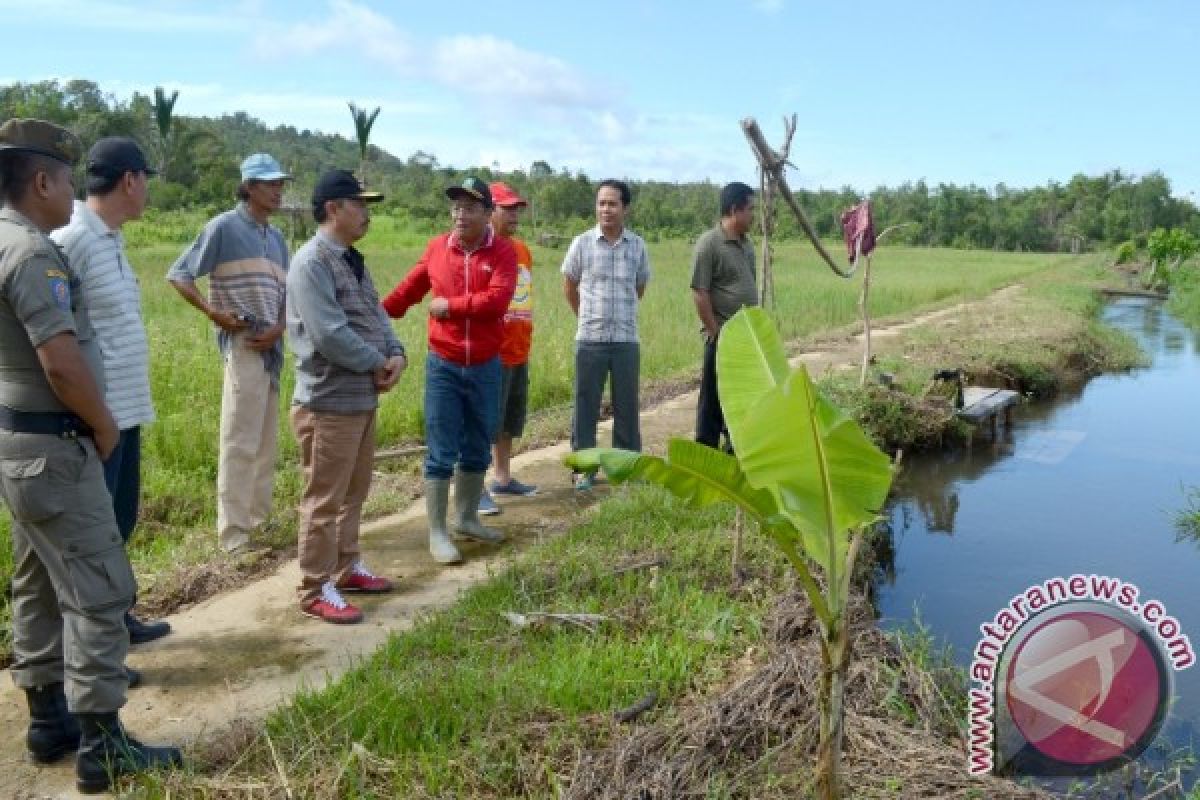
column 866, row 315
column 864, row 297
column 766, row 287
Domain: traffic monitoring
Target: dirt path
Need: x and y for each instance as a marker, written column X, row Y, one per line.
column 242, row 653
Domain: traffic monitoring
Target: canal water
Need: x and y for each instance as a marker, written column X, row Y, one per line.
column 1089, row 483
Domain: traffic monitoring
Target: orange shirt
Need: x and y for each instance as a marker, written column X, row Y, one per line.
column 518, row 322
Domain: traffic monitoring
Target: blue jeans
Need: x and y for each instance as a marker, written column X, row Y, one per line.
column 461, row 407
column 123, row 477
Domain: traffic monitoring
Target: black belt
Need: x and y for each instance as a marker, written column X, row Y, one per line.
column 57, row 423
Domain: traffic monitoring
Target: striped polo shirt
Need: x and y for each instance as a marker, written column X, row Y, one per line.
column 114, row 306
column 246, row 264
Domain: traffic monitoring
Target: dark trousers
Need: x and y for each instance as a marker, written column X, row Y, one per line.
column 710, row 421
column 123, row 477
column 594, row 363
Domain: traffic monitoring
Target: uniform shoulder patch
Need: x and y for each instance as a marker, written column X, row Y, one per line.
column 58, row 287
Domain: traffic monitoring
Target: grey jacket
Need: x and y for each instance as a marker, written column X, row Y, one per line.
column 336, row 328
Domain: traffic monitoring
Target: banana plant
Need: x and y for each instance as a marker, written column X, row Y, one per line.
column 802, row 470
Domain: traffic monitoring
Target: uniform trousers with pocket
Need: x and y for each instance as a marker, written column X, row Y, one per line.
column 72, row 582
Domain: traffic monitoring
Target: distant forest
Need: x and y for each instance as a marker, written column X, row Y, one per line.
column 198, row 158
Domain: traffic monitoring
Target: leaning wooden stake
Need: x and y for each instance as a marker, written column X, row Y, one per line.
column 772, row 164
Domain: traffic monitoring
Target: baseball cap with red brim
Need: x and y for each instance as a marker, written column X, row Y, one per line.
column 505, row 197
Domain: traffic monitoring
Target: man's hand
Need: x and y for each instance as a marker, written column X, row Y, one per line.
column 704, row 310
column 265, row 340
column 387, row 375
column 439, row 307
column 72, row 382
column 105, row 438
column 226, row 321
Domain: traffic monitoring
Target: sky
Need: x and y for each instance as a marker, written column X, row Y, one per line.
column 1016, row 92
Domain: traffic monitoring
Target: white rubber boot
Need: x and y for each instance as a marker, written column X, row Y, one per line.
column 468, row 487
column 437, row 494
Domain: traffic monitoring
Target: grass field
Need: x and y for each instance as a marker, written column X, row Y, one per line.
column 180, row 448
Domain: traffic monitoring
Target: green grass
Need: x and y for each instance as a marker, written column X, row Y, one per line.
column 180, row 448
column 1185, row 294
column 467, row 705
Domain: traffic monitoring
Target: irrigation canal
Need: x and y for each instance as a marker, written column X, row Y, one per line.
column 1091, row 483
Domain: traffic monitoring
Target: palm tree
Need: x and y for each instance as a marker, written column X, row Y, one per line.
column 363, row 122
column 164, row 111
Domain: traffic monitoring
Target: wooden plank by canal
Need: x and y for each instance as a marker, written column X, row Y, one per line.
column 982, row 404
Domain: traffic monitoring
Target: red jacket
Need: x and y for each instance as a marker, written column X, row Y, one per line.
column 479, row 286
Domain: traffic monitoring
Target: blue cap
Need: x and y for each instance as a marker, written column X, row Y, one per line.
column 261, row 167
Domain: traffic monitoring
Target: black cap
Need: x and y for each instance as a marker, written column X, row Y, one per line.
column 472, row 188
column 41, row 137
column 340, row 184
column 113, row 156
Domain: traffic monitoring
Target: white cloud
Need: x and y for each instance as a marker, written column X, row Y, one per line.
column 485, row 65
column 373, row 35
column 768, row 6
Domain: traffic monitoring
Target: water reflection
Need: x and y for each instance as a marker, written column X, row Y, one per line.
column 927, row 490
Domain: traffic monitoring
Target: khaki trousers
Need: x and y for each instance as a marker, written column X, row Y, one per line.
column 72, row 582
column 337, row 452
column 249, row 433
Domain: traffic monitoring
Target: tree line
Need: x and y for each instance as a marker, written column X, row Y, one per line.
column 198, row 157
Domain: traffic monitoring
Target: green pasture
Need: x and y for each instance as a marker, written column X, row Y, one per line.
column 186, row 371
column 180, row 448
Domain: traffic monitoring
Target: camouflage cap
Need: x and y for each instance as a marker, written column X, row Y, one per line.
column 44, row 138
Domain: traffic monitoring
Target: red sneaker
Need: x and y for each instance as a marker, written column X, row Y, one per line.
column 330, row 606
column 361, row 579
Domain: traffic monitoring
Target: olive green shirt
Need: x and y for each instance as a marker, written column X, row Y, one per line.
column 724, row 265
column 40, row 297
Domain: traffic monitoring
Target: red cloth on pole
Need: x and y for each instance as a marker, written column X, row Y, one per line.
column 857, row 226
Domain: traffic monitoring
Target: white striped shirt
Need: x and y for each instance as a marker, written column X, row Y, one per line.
column 114, row 304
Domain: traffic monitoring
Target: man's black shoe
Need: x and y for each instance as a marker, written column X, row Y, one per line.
column 106, row 752
column 53, row 732
column 141, row 632
column 133, row 676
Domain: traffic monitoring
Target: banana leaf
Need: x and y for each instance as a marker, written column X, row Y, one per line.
column 691, row 471
column 819, row 467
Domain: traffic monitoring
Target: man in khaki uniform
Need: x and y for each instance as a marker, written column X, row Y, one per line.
column 72, row 582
